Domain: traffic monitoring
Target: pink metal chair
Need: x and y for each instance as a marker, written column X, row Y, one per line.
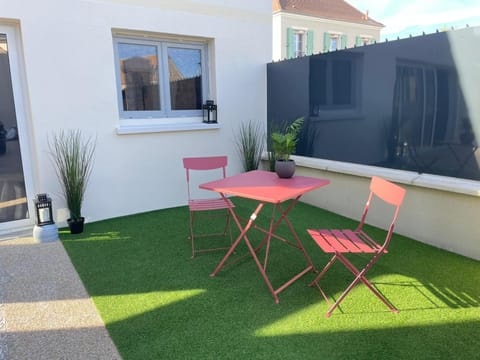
column 207, row 207
column 342, row 242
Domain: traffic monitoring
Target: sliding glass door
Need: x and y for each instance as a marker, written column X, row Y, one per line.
column 14, row 198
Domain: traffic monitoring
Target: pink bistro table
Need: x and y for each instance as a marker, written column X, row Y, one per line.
column 265, row 187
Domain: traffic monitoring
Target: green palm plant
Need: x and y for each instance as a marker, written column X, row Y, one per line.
column 284, row 142
column 72, row 156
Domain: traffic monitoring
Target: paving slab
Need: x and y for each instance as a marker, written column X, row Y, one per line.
column 45, row 311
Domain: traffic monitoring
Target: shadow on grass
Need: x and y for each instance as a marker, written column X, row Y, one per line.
column 134, row 266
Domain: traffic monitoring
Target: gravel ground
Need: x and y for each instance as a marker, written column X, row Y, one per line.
column 45, row 311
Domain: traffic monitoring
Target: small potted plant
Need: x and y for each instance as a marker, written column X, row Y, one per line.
column 72, row 156
column 283, row 145
column 250, row 144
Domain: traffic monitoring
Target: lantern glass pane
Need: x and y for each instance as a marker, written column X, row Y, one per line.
column 44, row 215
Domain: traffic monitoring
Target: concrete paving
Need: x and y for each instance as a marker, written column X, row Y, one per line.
column 45, row 311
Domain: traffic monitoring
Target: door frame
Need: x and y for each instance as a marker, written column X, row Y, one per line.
column 12, row 31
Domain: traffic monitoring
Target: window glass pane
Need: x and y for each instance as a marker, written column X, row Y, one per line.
column 430, row 94
column 299, row 44
column 333, row 43
column 139, row 77
column 318, row 85
column 445, row 98
column 185, row 73
column 342, row 82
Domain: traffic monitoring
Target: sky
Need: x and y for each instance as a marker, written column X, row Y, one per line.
column 404, row 17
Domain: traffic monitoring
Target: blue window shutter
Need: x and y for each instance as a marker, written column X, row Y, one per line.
column 290, row 44
column 358, row 41
column 326, row 42
column 309, row 42
column 343, row 41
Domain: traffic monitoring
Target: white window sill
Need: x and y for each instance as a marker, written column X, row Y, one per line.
column 158, row 128
column 444, row 183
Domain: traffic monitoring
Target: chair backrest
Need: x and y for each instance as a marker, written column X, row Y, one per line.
column 388, row 192
column 204, row 163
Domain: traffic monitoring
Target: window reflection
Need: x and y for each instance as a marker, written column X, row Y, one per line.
column 185, row 71
column 332, row 83
column 139, row 77
column 398, row 105
column 430, row 136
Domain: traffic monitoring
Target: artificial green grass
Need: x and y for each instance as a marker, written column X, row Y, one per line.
column 158, row 303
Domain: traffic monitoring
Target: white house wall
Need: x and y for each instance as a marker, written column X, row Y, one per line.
column 69, row 67
column 279, row 40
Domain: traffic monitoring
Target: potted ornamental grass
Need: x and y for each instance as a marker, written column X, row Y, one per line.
column 250, row 144
column 283, row 144
column 72, row 156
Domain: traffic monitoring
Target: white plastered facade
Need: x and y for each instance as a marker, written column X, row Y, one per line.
column 66, row 61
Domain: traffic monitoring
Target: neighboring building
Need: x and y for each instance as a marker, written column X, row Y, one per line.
column 133, row 73
column 306, row 27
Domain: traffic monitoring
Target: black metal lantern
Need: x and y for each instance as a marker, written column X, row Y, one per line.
column 43, row 210
column 209, row 112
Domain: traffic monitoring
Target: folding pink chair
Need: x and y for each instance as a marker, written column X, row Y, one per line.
column 341, row 242
column 211, row 208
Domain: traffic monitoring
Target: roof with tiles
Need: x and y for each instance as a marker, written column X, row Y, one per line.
column 327, row 9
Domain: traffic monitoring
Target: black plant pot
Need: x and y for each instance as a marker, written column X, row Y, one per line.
column 76, row 226
column 285, row 168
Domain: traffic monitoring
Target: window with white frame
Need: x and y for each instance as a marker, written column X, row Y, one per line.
column 364, row 40
column 299, row 37
column 160, row 78
column 333, row 42
column 299, row 42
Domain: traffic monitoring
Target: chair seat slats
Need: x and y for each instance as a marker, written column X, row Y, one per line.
column 327, row 242
column 361, row 245
column 209, row 204
column 372, row 243
column 342, row 241
column 350, row 245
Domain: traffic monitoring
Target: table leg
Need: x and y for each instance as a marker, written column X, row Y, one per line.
column 299, row 243
column 284, row 218
column 262, row 271
column 243, row 232
column 274, row 224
